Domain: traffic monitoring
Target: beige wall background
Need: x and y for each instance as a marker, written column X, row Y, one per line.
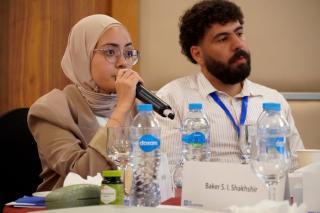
column 283, row 37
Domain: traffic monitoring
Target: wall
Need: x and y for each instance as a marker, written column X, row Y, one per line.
column 33, row 39
column 282, row 35
column 36, row 36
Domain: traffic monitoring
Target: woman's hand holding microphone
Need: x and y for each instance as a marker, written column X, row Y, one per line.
column 126, row 83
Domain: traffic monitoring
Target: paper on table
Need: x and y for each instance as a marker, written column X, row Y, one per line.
column 267, row 206
column 73, row 178
column 303, row 183
column 311, row 190
column 165, row 179
column 313, row 167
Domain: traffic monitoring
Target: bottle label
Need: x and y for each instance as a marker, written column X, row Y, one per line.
column 195, row 138
column 149, row 143
column 278, row 143
column 112, row 194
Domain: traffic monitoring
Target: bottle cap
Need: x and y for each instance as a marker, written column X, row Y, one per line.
column 271, row 106
column 111, row 173
column 195, row 106
column 144, row 107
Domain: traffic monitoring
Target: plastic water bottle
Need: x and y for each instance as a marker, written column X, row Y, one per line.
column 273, row 128
column 270, row 156
column 195, row 134
column 145, row 158
column 195, row 140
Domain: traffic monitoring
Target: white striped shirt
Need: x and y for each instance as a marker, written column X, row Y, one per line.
column 223, row 136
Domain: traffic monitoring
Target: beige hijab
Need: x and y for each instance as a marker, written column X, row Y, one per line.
column 77, row 58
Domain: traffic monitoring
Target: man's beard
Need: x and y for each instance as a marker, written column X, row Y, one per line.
column 224, row 72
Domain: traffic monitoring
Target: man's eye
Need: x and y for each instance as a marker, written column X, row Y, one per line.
column 240, row 34
column 222, row 39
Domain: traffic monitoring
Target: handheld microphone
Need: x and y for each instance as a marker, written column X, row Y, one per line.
column 159, row 105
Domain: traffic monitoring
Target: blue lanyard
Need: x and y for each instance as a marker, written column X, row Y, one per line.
column 244, row 107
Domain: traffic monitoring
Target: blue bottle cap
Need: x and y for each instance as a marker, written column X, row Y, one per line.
column 272, row 106
column 144, row 107
column 195, row 106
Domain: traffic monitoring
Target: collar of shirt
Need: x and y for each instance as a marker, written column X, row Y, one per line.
column 205, row 88
column 102, row 120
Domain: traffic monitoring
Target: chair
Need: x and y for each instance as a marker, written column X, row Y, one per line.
column 305, row 107
column 20, row 165
column 306, row 115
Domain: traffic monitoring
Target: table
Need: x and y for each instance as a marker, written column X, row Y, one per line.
column 175, row 201
column 125, row 209
column 11, row 209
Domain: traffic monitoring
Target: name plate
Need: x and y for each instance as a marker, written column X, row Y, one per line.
column 311, row 191
column 218, row 186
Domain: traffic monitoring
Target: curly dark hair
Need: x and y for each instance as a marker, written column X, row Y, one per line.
column 196, row 21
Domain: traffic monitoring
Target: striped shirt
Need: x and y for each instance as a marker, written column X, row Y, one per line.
column 223, row 136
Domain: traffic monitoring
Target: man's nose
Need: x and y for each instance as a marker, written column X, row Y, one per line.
column 237, row 43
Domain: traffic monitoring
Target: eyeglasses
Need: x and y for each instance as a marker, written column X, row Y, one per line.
column 113, row 53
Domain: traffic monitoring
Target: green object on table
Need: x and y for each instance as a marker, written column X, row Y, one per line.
column 73, row 196
column 112, row 188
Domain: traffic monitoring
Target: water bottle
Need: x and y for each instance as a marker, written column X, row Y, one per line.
column 145, row 158
column 195, row 134
column 273, row 128
column 195, row 140
column 272, row 157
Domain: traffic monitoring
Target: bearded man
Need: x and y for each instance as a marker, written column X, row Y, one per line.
column 212, row 36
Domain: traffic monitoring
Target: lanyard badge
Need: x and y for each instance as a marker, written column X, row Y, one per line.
column 243, row 115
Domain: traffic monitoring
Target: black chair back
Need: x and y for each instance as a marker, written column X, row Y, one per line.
column 20, row 165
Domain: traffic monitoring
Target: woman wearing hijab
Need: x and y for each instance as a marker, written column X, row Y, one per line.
column 69, row 124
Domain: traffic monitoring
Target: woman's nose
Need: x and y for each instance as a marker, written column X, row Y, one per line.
column 121, row 62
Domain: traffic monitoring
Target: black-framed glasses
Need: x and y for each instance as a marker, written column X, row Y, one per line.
column 113, row 53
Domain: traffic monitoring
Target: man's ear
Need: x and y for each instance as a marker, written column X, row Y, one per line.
column 196, row 54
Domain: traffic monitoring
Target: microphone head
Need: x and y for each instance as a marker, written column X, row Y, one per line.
column 168, row 113
column 171, row 116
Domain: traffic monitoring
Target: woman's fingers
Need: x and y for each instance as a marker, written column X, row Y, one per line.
column 121, row 73
column 127, row 74
column 126, row 82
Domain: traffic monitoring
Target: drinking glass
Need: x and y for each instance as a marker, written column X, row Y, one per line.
column 292, row 158
column 247, row 136
column 118, row 150
column 177, row 175
column 270, row 163
column 119, row 146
